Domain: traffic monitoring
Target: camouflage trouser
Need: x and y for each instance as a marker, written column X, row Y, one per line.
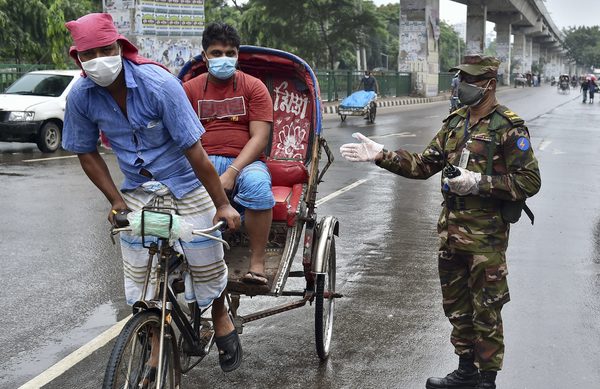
column 474, row 289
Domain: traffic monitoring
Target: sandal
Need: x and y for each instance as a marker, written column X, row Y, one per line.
column 230, row 351
column 253, row 277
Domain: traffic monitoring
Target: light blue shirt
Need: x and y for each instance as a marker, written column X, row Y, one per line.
column 159, row 126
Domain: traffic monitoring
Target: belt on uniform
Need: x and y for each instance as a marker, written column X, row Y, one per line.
column 463, row 203
column 145, row 173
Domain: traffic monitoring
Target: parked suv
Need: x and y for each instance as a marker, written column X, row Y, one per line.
column 33, row 107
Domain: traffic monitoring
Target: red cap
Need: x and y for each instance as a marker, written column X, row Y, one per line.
column 97, row 30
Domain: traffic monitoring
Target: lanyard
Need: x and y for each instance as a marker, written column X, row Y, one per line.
column 466, row 131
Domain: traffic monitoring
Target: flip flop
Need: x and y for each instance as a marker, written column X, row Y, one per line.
column 230, row 351
column 253, row 277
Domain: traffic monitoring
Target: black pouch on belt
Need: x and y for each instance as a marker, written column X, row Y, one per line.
column 511, row 210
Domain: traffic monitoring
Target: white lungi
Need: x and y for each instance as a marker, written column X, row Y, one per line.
column 204, row 256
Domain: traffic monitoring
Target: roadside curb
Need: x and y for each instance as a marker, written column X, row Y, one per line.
column 331, row 107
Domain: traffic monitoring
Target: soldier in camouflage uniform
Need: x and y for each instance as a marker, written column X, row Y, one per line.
column 489, row 146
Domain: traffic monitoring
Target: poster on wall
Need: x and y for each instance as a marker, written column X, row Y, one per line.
column 166, row 31
column 117, row 5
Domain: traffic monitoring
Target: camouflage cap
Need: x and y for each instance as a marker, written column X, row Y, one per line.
column 477, row 65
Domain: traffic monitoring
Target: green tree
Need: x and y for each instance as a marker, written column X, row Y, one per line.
column 33, row 30
column 451, row 47
column 220, row 11
column 23, row 32
column 388, row 39
column 312, row 28
column 583, row 45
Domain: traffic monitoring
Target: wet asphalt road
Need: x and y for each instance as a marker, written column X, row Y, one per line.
column 62, row 278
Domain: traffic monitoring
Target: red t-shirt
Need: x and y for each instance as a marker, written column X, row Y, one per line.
column 226, row 113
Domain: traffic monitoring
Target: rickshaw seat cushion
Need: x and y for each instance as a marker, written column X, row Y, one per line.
column 287, row 200
column 287, row 173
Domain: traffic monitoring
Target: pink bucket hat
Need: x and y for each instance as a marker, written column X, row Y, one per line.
column 97, row 30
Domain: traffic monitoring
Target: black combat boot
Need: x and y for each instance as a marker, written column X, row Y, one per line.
column 465, row 377
column 487, row 380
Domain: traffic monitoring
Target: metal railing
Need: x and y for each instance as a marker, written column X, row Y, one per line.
column 445, row 81
column 9, row 72
column 338, row 84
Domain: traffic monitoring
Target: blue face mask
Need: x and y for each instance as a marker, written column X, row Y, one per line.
column 222, row 67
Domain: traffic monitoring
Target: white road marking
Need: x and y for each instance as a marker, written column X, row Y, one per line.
column 76, row 356
column 544, row 144
column 399, row 135
column 339, row 192
column 432, row 116
column 51, row 158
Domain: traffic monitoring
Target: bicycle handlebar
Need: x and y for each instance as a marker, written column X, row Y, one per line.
column 206, row 232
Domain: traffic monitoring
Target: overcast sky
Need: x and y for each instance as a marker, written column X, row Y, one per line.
column 564, row 12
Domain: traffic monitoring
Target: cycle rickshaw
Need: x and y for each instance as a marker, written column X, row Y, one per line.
column 293, row 157
column 564, row 84
column 360, row 103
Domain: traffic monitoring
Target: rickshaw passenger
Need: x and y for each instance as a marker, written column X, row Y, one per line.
column 236, row 110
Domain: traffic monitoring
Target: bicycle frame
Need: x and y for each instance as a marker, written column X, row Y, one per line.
column 165, row 300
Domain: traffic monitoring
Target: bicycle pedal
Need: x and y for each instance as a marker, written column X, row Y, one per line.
column 298, row 273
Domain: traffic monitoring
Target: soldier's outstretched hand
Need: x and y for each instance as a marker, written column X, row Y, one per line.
column 467, row 182
column 364, row 151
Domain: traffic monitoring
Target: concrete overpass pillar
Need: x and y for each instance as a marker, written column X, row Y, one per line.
column 535, row 53
column 503, row 49
column 552, row 69
column 476, row 17
column 519, row 52
column 528, row 53
column 418, row 51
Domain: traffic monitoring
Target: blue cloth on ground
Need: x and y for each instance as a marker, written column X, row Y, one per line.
column 358, row 99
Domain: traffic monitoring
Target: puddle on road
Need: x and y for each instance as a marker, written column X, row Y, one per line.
column 30, row 363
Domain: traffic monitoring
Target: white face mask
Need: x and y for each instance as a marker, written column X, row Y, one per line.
column 103, row 70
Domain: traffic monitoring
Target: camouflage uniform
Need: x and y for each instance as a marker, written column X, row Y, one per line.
column 473, row 234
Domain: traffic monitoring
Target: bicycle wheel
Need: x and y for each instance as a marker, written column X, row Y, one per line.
column 324, row 305
column 127, row 367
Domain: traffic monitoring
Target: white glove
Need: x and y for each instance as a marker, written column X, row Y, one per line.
column 465, row 184
column 361, row 152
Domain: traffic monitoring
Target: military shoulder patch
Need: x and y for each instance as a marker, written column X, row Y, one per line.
column 523, row 143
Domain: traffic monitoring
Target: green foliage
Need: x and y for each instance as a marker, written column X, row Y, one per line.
column 33, row 30
column 583, row 45
column 323, row 32
column 219, row 11
column 451, row 47
column 389, row 43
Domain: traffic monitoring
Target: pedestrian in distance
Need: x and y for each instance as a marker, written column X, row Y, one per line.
column 592, row 87
column 454, row 101
column 585, row 85
column 489, row 167
column 368, row 82
column 143, row 111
